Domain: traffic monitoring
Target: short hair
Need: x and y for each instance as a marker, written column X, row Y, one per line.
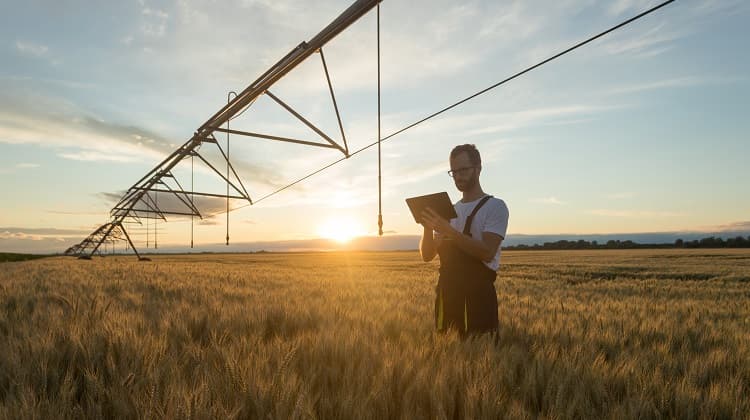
column 471, row 150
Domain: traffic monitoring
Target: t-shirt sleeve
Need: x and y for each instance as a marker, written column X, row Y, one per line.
column 497, row 219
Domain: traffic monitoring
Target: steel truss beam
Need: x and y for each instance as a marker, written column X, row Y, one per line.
column 141, row 199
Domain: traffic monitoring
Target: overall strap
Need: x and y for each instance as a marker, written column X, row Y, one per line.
column 467, row 227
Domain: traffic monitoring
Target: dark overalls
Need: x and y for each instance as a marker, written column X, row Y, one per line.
column 466, row 299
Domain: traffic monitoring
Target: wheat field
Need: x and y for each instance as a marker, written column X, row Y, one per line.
column 584, row 334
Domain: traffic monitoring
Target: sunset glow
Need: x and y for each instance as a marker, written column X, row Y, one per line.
column 340, row 230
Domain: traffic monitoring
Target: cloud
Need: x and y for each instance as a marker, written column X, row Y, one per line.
column 677, row 82
column 650, row 43
column 50, row 122
column 35, row 244
column 20, row 235
column 76, row 213
column 43, row 231
column 548, row 200
column 32, row 49
column 661, row 37
column 480, row 124
column 27, row 165
column 735, row 226
column 519, row 119
column 96, row 156
column 620, row 195
column 419, row 172
column 211, row 221
column 619, row 7
column 70, row 84
column 450, row 39
column 154, row 23
column 641, row 214
column 76, row 135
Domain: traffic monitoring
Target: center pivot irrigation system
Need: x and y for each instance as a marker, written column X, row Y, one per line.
column 141, row 201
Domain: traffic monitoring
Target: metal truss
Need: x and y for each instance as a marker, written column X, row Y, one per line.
column 109, row 232
column 141, row 201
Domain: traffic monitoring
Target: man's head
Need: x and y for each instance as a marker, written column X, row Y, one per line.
column 466, row 164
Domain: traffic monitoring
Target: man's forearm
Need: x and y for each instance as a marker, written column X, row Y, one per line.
column 474, row 247
column 427, row 245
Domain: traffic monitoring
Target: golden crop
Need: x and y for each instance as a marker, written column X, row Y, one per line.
column 584, row 334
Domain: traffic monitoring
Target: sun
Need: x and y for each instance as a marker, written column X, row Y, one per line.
column 341, row 230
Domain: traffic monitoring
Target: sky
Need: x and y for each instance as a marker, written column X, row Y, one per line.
column 644, row 130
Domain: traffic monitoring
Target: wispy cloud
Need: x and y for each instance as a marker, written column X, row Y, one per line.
column 76, row 213
column 720, row 6
column 504, row 122
column 620, row 195
column 20, row 235
column 419, row 172
column 97, row 156
column 650, row 43
column 50, row 122
column 641, row 214
column 39, row 234
column 743, row 226
column 209, row 221
column 547, row 200
column 662, row 36
column 154, row 22
column 677, row 82
column 71, row 84
column 32, row 49
column 76, row 135
column 619, row 7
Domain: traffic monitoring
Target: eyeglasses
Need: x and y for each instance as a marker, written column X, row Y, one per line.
column 460, row 171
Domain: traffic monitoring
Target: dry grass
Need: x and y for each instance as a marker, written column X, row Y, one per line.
column 585, row 334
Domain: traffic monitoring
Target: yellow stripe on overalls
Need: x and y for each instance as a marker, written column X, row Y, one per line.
column 440, row 310
column 466, row 318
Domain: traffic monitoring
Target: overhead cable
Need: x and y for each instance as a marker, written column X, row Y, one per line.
column 468, row 98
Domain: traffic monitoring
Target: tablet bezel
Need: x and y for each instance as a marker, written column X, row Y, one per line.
column 439, row 202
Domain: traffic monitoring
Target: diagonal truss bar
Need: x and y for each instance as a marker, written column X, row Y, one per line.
column 333, row 98
column 222, row 176
column 182, row 190
column 130, row 241
column 270, row 137
column 229, row 163
column 179, row 194
column 305, row 121
column 151, row 203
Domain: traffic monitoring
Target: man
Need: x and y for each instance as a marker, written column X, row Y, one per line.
column 469, row 249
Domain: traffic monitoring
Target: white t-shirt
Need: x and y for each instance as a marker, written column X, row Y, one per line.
column 492, row 217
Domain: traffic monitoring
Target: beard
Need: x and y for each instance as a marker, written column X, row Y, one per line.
column 468, row 184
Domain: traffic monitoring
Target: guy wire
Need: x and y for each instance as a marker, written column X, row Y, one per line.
column 435, row 114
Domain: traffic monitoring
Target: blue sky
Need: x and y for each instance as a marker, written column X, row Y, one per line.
column 642, row 131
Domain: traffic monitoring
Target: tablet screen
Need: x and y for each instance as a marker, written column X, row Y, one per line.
column 439, row 202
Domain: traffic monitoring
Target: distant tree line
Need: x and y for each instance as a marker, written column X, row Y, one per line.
column 710, row 242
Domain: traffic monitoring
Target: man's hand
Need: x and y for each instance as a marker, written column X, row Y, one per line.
column 432, row 220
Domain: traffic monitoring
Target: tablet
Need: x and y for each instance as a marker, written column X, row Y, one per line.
column 439, row 202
